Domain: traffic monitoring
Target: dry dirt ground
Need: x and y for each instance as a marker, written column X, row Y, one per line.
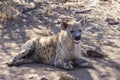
column 99, row 33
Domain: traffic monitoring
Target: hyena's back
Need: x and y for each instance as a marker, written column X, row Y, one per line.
column 41, row 49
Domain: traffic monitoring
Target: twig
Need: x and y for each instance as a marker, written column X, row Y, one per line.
column 84, row 11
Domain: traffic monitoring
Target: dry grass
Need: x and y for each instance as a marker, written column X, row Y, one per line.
column 7, row 10
column 64, row 76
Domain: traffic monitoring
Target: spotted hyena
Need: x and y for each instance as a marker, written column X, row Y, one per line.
column 61, row 50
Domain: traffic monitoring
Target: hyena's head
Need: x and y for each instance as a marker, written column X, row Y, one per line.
column 73, row 30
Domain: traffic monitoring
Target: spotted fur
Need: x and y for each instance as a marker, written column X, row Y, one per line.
column 58, row 50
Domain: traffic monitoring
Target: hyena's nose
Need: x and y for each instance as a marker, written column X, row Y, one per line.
column 77, row 37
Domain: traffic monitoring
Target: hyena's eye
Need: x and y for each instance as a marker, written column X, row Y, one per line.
column 79, row 30
column 72, row 31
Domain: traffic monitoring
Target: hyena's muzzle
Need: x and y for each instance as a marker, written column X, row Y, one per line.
column 76, row 35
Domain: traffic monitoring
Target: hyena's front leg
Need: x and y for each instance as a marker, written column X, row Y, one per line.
column 60, row 62
column 22, row 61
column 19, row 58
column 28, row 47
column 82, row 62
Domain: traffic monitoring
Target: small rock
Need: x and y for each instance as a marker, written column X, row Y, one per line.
column 103, row 75
column 32, row 4
column 43, row 78
column 111, row 21
column 31, row 77
column 103, row 0
column 94, row 53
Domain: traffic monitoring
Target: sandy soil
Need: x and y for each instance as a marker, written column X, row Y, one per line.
column 34, row 14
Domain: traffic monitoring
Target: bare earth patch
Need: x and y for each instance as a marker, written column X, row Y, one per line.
column 98, row 34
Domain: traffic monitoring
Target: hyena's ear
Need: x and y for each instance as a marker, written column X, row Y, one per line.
column 64, row 25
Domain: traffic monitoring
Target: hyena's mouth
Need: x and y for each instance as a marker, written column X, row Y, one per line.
column 76, row 41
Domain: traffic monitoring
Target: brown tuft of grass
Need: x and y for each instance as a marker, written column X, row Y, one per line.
column 46, row 32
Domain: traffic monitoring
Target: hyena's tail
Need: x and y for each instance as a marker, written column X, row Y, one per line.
column 46, row 31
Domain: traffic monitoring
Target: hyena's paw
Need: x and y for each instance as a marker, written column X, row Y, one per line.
column 62, row 64
column 86, row 65
column 12, row 62
column 83, row 63
column 9, row 63
column 68, row 66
